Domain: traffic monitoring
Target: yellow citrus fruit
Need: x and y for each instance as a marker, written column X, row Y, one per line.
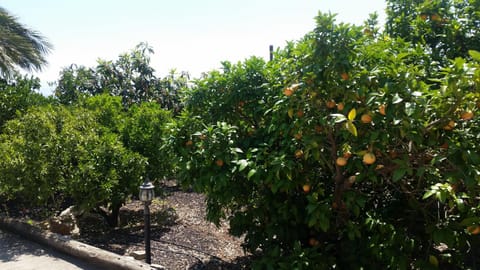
column 331, row 104
column 189, row 143
column 345, row 76
column 451, row 124
column 340, row 106
column 381, row 109
column 468, row 115
column 347, row 154
column 288, row 92
column 435, row 18
column 366, row 118
column 313, row 242
column 475, row 229
column 306, row 188
column 444, row 145
column 369, row 158
column 219, row 162
column 299, row 153
column 341, row 161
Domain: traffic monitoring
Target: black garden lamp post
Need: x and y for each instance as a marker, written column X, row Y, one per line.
column 146, row 196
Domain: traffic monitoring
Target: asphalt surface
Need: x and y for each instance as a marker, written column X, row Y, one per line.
column 17, row 253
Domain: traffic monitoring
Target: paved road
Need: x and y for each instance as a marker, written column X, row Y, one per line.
column 17, row 253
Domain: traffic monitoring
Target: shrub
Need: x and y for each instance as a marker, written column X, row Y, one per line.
column 55, row 153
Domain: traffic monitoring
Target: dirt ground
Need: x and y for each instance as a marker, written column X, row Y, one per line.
column 181, row 238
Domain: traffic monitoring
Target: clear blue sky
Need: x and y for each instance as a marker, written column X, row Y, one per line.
column 188, row 35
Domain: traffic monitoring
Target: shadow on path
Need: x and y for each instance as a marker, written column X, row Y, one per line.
column 19, row 253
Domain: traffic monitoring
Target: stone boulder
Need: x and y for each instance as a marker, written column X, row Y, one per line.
column 65, row 223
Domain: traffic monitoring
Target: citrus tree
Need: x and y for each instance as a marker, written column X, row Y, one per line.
column 140, row 128
column 17, row 95
column 347, row 150
column 54, row 154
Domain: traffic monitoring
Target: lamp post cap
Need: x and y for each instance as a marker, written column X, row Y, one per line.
column 147, row 185
column 146, row 191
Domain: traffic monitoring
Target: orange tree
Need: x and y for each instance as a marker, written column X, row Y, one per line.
column 346, row 151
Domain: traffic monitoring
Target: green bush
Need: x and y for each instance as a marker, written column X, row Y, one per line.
column 55, row 153
column 17, row 95
column 141, row 128
column 143, row 132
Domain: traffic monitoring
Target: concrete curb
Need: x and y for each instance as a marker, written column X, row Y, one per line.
column 91, row 254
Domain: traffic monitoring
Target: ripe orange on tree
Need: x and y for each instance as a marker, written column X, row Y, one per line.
column 382, row 109
column 219, row 162
column 474, row 229
column 366, row 118
column 306, row 188
column 288, row 91
column 299, row 153
column 451, row 124
column 340, row 106
column 347, row 154
column 341, row 161
column 313, row 242
column 331, row 104
column 467, row 115
column 435, row 17
column 300, row 113
column 369, row 158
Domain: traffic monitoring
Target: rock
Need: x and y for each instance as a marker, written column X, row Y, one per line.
column 65, row 223
column 157, row 266
column 138, row 254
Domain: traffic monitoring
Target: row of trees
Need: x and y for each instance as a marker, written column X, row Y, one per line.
column 353, row 148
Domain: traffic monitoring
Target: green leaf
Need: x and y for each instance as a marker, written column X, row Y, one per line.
column 324, row 223
column 429, row 194
column 352, row 114
column 251, row 173
column 441, row 196
column 351, row 128
column 338, row 117
column 243, row 164
column 474, row 54
column 397, row 99
column 398, row 174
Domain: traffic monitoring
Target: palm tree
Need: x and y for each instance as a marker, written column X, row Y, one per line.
column 20, row 46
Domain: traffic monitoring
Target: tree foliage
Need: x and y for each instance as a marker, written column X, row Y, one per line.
column 449, row 28
column 130, row 77
column 17, row 95
column 348, row 150
column 54, row 153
